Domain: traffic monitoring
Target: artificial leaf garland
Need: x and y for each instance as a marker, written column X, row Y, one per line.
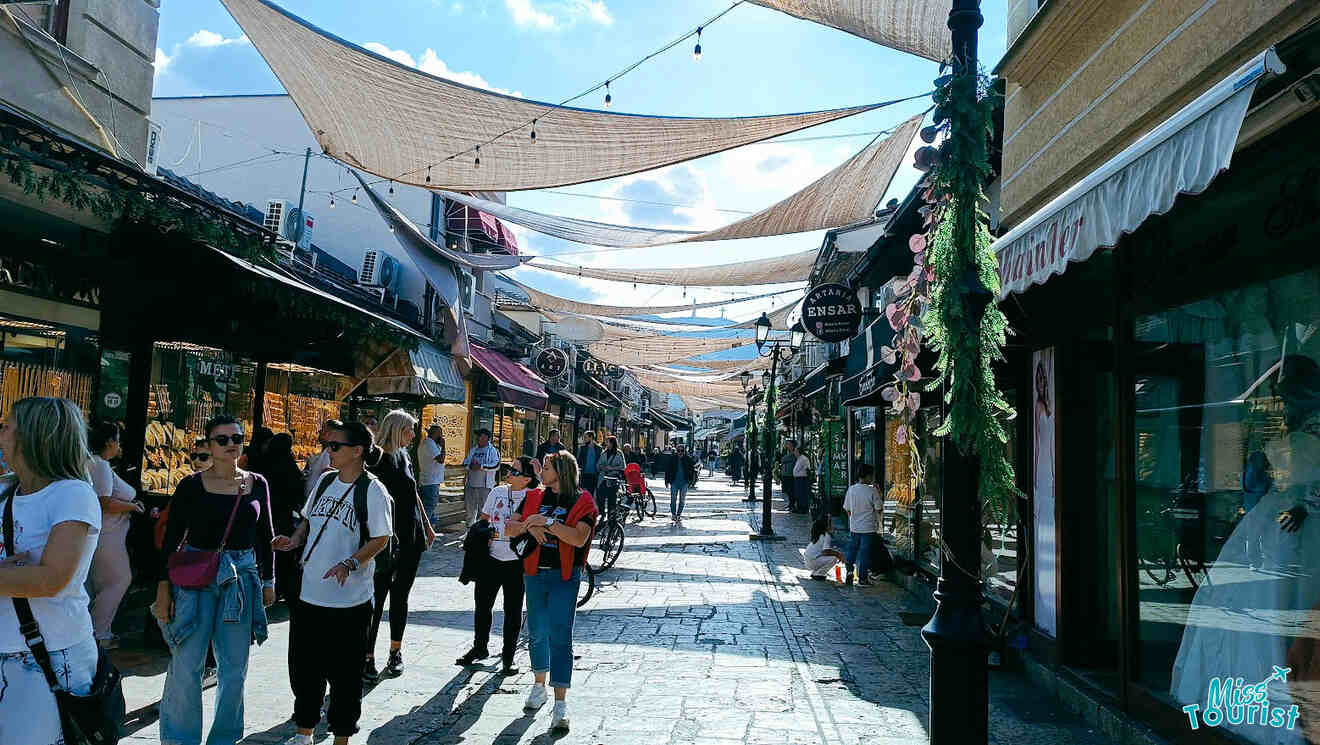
column 951, row 260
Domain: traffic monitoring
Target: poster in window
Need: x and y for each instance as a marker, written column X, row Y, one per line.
column 1043, row 489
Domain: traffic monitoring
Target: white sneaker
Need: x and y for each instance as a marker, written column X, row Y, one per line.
column 537, row 698
column 559, row 719
column 299, row 740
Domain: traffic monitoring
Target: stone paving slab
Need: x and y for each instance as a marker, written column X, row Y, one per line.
column 697, row 637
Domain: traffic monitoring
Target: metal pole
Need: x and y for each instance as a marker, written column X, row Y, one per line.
column 302, row 194
column 959, row 686
column 750, row 439
column 767, row 532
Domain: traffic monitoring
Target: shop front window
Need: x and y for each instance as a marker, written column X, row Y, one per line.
column 1002, row 552
column 900, row 514
column 38, row 359
column 930, row 492
column 1228, row 499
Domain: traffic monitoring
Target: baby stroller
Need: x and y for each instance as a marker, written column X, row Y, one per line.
column 639, row 496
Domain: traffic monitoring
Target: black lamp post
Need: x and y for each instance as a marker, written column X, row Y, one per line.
column 753, row 398
column 959, row 684
column 774, row 349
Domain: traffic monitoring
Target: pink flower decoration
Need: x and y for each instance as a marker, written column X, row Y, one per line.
column 900, row 434
column 917, row 243
column 911, row 372
column 898, row 317
column 914, row 401
column 888, row 355
column 889, row 393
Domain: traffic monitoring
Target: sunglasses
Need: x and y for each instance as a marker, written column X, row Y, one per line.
column 334, row 446
column 200, row 456
column 224, row 440
column 515, row 472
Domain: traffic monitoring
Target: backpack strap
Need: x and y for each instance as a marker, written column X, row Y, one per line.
column 360, row 488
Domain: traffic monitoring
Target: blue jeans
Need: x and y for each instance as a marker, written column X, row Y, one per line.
column 430, row 499
column 677, row 497
column 551, row 605
column 859, row 553
column 219, row 616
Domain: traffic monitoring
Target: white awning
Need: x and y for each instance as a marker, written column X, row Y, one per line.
column 1180, row 156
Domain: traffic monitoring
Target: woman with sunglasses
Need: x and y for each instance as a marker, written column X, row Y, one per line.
column 226, row 509
column 111, row 573
column 506, row 572
column 560, row 517
column 394, row 579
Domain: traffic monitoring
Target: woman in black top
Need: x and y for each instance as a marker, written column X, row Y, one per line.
column 412, row 530
column 229, row 612
column 286, row 498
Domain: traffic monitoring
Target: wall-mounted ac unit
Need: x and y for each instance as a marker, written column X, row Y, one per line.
column 379, row 269
column 285, row 219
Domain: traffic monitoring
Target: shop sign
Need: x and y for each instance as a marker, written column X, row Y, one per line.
column 215, row 369
column 113, row 400
column 868, row 381
column 551, row 362
column 831, row 313
column 601, row 369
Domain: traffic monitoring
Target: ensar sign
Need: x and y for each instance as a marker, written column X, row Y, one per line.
column 831, row 313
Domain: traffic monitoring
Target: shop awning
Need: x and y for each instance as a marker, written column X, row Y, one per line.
column 709, row 432
column 282, row 278
column 516, row 384
column 586, row 402
column 426, row 371
column 465, row 220
column 662, row 421
column 617, row 401
column 1180, row 156
column 865, row 372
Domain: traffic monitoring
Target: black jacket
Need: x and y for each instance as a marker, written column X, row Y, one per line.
column 689, row 468
column 582, row 456
column 547, row 448
column 392, row 471
column 476, row 552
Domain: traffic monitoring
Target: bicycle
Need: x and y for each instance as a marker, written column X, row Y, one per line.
column 608, row 545
column 587, row 587
column 1168, row 541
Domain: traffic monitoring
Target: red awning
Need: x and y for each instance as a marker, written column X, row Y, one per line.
column 517, row 384
column 462, row 219
column 508, row 239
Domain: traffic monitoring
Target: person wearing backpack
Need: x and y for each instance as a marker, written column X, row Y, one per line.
column 412, row 527
column 349, row 519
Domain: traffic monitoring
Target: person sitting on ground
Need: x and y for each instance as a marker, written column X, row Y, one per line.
column 821, row 556
column 864, row 505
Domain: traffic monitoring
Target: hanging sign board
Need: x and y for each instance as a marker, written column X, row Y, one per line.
column 601, row 369
column 831, row 313
column 551, row 362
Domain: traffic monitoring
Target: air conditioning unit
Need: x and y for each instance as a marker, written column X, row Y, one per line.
column 285, row 219
column 154, row 132
column 379, row 269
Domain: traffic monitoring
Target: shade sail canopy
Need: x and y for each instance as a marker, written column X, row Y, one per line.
column 546, row 301
column 426, row 371
column 1180, row 156
column 917, row 27
column 847, row 194
column 790, row 268
column 515, row 383
column 396, row 121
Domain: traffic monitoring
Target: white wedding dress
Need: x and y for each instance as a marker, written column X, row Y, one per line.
column 1242, row 622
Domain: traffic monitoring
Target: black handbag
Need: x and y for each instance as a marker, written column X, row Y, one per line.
column 94, row 719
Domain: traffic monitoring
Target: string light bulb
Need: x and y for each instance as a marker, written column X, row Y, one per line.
column 696, row 51
column 476, row 162
column 391, row 227
column 533, row 130
column 608, row 97
column 332, row 201
column 428, row 174
column 354, row 199
column 391, row 189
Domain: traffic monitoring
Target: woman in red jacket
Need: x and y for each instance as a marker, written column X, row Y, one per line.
column 560, row 516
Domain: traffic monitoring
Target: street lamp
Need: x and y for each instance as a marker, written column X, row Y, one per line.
column 774, row 349
column 746, row 378
column 753, row 398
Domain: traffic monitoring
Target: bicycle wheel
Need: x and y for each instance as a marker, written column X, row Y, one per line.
column 638, row 503
column 587, row 587
column 649, row 502
column 611, row 544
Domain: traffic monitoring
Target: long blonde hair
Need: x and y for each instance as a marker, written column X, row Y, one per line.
column 566, row 467
column 392, row 428
column 51, row 435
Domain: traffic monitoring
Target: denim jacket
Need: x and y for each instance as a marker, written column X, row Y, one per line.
column 239, row 585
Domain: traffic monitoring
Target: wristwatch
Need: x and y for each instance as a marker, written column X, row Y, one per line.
column 550, row 521
column 351, row 563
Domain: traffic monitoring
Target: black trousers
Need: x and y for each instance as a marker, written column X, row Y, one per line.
column 508, row 576
column 397, row 584
column 327, row 646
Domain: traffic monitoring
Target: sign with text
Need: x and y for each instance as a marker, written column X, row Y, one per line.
column 831, row 312
column 601, row 369
column 551, row 362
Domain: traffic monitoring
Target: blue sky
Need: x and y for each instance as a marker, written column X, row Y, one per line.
column 755, row 61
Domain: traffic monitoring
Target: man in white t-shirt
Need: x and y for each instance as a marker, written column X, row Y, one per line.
column 328, row 636
column 482, row 461
column 431, row 463
column 864, row 506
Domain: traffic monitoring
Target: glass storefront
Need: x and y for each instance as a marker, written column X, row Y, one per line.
column 298, row 401
column 1228, row 495
column 40, row 359
column 1003, row 552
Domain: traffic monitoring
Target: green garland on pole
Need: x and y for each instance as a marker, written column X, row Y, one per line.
column 964, row 265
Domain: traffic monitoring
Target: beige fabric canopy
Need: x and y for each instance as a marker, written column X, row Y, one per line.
column 918, row 27
column 395, row 121
column 791, row 268
column 682, row 388
column 546, row 301
column 656, row 349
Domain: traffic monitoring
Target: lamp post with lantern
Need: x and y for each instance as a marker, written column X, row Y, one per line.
column 754, row 394
column 774, row 349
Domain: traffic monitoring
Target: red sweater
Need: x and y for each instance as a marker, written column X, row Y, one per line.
column 584, row 508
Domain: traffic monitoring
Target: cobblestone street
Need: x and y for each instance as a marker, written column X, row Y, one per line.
column 696, row 636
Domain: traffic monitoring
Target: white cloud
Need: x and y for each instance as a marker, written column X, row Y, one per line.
column 594, row 10
column 456, row 8
column 205, row 38
column 526, row 14
column 162, row 61
column 398, row 55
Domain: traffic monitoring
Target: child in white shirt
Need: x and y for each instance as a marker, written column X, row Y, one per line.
column 820, row 555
